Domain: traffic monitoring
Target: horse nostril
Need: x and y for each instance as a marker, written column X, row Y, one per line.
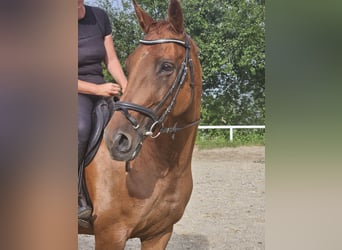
column 122, row 142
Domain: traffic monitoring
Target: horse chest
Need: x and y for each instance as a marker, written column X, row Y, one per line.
column 160, row 215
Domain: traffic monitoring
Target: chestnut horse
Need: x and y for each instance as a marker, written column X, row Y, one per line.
column 140, row 180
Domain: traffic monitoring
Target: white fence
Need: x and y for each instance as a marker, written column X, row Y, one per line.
column 231, row 127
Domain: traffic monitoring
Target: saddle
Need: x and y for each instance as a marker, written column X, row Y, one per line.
column 102, row 112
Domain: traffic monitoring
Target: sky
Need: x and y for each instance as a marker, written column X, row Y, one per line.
column 116, row 3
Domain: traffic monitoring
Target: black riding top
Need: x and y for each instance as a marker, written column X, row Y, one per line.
column 91, row 51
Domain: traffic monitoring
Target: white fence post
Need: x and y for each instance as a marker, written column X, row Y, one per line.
column 231, row 127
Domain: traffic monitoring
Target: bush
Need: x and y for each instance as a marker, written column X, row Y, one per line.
column 215, row 138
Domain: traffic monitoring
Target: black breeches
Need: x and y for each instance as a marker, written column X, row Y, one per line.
column 85, row 108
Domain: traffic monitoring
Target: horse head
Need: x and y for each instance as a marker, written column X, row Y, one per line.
column 164, row 86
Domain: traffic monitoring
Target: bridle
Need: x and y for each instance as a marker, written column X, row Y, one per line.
column 173, row 92
column 175, row 88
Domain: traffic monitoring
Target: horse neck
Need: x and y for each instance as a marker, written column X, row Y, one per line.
column 161, row 160
column 172, row 150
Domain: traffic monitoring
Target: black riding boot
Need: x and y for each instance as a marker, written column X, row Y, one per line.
column 84, row 210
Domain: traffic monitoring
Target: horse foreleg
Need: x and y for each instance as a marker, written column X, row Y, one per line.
column 157, row 243
column 110, row 240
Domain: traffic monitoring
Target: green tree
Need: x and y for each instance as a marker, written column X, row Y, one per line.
column 126, row 31
column 156, row 8
column 231, row 37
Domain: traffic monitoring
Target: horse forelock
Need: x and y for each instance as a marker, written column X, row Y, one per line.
column 159, row 27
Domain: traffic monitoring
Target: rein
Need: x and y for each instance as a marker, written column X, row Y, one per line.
column 176, row 86
column 173, row 92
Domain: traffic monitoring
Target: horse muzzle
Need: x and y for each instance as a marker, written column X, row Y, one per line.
column 122, row 145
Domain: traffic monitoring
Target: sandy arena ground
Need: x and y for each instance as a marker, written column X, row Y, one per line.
column 227, row 206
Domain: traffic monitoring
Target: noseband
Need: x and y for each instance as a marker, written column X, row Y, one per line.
column 174, row 89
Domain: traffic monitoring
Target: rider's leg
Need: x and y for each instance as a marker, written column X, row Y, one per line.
column 85, row 107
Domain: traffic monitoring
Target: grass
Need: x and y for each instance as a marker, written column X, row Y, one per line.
column 218, row 139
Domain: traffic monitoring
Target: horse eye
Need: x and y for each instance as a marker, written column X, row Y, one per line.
column 167, row 67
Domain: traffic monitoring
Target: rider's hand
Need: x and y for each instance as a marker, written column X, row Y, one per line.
column 109, row 89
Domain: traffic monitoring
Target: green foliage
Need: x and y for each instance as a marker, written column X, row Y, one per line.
column 230, row 35
column 156, row 8
column 215, row 139
column 126, row 31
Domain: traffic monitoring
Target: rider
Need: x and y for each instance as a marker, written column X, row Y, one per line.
column 95, row 45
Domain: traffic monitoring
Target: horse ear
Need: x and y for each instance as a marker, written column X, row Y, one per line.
column 144, row 19
column 176, row 15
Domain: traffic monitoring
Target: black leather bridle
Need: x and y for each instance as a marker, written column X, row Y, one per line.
column 173, row 92
column 175, row 88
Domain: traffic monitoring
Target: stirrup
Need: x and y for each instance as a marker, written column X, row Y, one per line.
column 85, row 213
column 84, row 210
column 84, row 223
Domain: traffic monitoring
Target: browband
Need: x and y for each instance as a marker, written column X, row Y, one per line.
column 158, row 41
